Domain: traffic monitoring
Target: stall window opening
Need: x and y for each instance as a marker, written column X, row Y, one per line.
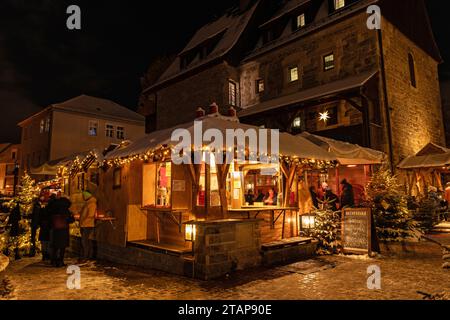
column 208, row 175
column 157, row 185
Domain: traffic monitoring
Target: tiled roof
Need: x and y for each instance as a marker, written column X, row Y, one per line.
column 230, row 27
column 100, row 107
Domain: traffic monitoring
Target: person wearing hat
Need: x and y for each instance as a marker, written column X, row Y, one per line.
column 347, row 197
column 87, row 224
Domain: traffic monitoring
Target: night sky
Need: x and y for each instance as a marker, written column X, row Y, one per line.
column 41, row 62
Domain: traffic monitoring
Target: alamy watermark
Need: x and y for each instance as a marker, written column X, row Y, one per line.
column 74, row 278
column 237, row 145
column 74, row 20
column 374, row 20
column 374, row 279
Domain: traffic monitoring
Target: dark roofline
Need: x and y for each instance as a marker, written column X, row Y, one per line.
column 312, row 27
column 209, row 60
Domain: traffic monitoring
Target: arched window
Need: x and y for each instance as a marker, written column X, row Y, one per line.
column 412, row 70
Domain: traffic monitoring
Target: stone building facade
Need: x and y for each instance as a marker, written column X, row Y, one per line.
column 312, row 65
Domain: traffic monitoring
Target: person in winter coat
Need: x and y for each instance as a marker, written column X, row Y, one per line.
column 44, row 233
column 34, row 225
column 347, row 197
column 315, row 200
column 87, row 225
column 332, row 199
column 60, row 219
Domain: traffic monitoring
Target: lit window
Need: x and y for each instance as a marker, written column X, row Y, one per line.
column 120, row 133
column 260, row 86
column 41, row 127
column 339, row 4
column 93, row 128
column 293, row 74
column 297, row 123
column 109, row 131
column 301, row 21
column 412, row 70
column 47, row 124
column 328, row 62
column 232, row 93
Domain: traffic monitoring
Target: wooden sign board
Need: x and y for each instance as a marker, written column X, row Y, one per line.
column 357, row 231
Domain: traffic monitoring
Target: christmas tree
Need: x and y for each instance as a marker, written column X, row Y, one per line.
column 21, row 243
column 27, row 193
column 326, row 230
column 392, row 218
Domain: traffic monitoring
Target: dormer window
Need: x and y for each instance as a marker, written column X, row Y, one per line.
column 328, row 62
column 293, row 74
column 339, row 4
column 300, row 21
column 260, row 86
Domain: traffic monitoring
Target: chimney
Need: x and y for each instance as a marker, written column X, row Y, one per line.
column 199, row 113
column 244, row 4
column 213, row 108
column 232, row 112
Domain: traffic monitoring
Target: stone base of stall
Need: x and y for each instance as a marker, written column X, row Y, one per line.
column 287, row 251
column 224, row 246
column 175, row 264
column 221, row 247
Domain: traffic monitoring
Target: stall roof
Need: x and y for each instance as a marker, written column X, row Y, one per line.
column 346, row 153
column 328, row 89
column 431, row 156
column 289, row 145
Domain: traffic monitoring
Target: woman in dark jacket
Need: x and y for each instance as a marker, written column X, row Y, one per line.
column 44, row 233
column 60, row 218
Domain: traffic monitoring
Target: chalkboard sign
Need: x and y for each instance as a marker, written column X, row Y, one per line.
column 356, row 231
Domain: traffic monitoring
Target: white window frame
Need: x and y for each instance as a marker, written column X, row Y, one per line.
column 120, row 132
column 293, row 74
column 300, row 21
column 339, row 4
column 93, row 124
column 325, row 68
column 232, row 100
column 109, row 130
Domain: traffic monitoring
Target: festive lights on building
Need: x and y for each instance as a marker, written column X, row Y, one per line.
column 324, row 116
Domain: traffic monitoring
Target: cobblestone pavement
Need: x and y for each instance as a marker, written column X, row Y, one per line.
column 334, row 277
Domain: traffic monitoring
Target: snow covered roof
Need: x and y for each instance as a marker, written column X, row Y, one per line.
column 289, row 145
column 346, row 153
column 288, row 7
column 97, row 106
column 229, row 28
column 431, row 156
column 331, row 88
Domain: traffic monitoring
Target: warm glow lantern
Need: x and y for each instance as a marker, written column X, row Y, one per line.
column 307, row 223
column 190, row 232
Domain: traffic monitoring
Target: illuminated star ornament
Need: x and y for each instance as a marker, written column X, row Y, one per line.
column 324, row 116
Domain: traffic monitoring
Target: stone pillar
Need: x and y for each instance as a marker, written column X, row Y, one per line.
column 223, row 246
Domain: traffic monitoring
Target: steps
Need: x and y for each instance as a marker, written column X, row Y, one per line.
column 442, row 228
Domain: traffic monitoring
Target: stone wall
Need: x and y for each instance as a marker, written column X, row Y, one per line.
column 416, row 114
column 353, row 45
column 225, row 246
column 177, row 102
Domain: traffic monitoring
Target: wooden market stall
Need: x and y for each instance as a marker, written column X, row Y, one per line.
column 429, row 167
column 156, row 202
column 356, row 164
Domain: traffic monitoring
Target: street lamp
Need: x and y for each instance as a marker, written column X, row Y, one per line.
column 307, row 223
column 190, row 232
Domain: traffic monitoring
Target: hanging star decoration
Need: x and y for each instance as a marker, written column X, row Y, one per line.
column 324, row 116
